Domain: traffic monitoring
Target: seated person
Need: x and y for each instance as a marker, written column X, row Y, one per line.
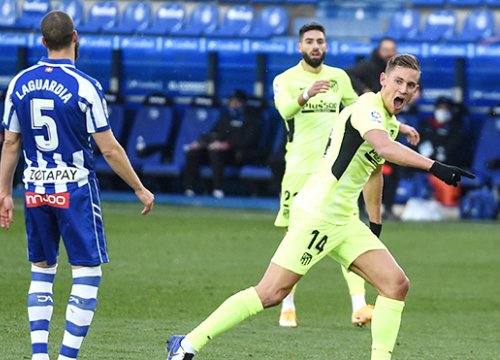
column 442, row 140
column 232, row 141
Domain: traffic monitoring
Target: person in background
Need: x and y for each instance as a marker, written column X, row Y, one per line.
column 442, row 140
column 365, row 75
column 233, row 140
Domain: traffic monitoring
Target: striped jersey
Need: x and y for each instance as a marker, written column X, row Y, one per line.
column 55, row 107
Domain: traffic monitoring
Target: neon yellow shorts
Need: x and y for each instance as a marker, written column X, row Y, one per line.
column 290, row 186
column 309, row 240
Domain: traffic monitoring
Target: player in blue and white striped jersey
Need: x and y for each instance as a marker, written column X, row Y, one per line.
column 51, row 111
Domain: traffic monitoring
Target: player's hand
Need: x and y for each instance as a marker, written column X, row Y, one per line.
column 218, row 146
column 147, row 199
column 320, row 86
column 448, row 173
column 6, row 211
column 411, row 134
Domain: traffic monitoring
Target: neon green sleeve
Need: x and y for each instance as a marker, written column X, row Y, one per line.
column 348, row 94
column 285, row 102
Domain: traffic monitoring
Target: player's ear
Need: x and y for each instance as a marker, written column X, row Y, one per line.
column 75, row 36
column 299, row 46
column 44, row 42
column 383, row 79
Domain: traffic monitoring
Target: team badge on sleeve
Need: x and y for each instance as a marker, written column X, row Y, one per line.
column 376, row 116
column 276, row 88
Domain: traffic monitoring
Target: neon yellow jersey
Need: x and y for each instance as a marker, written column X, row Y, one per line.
column 309, row 126
column 332, row 192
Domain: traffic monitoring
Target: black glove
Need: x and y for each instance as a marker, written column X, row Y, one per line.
column 448, row 173
column 376, row 229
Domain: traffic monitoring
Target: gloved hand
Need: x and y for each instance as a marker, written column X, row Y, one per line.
column 448, row 173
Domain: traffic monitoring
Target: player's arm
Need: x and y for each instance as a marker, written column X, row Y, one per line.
column 412, row 135
column 288, row 104
column 10, row 157
column 404, row 156
column 116, row 157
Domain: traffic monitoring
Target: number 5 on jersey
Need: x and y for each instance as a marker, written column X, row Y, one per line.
column 39, row 120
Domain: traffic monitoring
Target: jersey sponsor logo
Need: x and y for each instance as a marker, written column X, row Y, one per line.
column 306, row 259
column 321, row 106
column 49, row 69
column 53, row 175
column 47, row 85
column 376, row 116
column 373, row 157
column 59, row 200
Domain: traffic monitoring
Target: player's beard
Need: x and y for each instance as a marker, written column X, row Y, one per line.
column 313, row 62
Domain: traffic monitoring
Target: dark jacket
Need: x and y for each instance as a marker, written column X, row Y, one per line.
column 242, row 133
column 366, row 73
column 446, row 139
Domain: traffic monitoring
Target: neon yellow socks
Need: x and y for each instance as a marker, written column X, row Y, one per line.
column 233, row 311
column 385, row 327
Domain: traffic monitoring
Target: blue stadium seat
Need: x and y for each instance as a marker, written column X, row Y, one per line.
column 301, row 2
column 271, row 21
column 135, row 19
column 479, row 25
column 74, row 8
column 8, row 13
column 404, row 24
column 492, row 3
column 237, row 21
column 465, row 3
column 428, row 3
column 32, row 13
column 269, row 1
column 169, row 17
column 149, row 134
column 262, row 172
column 198, row 119
column 102, row 15
column 203, row 20
column 439, row 25
column 487, row 150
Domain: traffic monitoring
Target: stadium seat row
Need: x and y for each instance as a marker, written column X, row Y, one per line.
column 154, row 128
column 137, row 18
column 441, row 25
column 456, row 3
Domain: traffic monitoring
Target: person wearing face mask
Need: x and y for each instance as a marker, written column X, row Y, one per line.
column 442, row 139
column 442, row 133
column 233, row 140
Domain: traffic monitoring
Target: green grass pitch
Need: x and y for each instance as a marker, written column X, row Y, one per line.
column 170, row 269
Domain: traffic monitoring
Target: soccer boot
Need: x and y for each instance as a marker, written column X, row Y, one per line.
column 175, row 350
column 363, row 316
column 288, row 318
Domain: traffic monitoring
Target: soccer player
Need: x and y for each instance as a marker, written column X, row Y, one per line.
column 308, row 97
column 51, row 109
column 324, row 217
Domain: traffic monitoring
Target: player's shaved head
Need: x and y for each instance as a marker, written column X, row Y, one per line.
column 57, row 30
column 402, row 60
